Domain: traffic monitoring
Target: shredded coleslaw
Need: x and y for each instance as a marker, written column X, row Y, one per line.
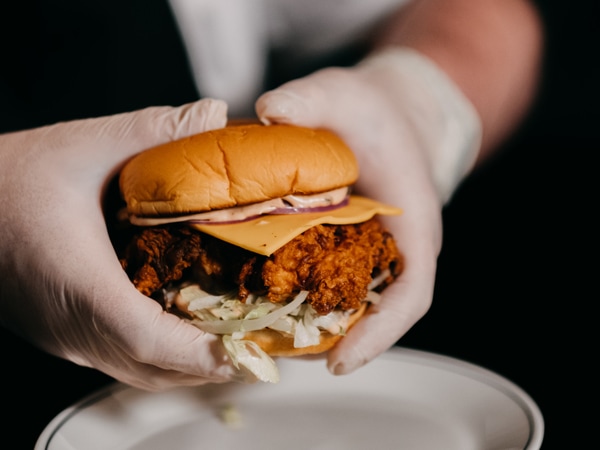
column 231, row 318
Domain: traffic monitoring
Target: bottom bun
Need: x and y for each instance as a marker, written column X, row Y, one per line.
column 275, row 343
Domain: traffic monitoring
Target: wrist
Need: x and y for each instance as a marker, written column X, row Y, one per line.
column 446, row 123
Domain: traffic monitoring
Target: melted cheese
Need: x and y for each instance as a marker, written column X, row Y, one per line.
column 266, row 234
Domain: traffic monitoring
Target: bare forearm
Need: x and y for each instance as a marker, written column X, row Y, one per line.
column 490, row 48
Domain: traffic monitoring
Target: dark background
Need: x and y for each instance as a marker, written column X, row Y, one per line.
column 515, row 285
column 517, row 273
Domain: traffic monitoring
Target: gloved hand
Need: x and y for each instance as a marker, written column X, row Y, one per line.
column 61, row 284
column 415, row 136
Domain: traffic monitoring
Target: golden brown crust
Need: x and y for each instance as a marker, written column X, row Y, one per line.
column 237, row 165
column 276, row 344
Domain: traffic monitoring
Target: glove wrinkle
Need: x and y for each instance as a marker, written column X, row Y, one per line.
column 414, row 133
column 63, row 288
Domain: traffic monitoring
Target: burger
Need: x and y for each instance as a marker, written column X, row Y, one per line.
column 251, row 232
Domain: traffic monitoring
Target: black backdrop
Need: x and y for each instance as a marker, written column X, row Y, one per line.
column 515, row 285
column 517, row 274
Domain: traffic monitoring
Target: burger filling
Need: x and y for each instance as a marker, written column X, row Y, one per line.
column 290, row 204
column 309, row 286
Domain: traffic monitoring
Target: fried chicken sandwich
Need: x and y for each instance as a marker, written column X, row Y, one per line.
column 251, row 232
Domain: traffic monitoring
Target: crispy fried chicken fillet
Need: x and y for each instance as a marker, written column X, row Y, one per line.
column 334, row 263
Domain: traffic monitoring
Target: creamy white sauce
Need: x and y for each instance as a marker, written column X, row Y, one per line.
column 237, row 213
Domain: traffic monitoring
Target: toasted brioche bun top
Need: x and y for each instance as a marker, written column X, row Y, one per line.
column 234, row 166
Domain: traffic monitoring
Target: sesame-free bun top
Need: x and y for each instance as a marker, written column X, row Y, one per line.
column 234, row 166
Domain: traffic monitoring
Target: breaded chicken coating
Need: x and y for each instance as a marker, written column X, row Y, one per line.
column 335, row 263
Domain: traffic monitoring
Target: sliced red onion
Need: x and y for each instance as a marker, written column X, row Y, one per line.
column 276, row 211
column 308, row 209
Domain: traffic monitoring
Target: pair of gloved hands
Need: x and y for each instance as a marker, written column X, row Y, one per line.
column 61, row 284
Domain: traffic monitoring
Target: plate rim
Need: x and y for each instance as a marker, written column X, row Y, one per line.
column 397, row 353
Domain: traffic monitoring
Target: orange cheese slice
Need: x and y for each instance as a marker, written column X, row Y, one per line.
column 266, row 234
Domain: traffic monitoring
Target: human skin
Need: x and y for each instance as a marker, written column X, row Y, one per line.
column 492, row 50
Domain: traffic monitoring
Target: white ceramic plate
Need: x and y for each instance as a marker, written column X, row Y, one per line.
column 404, row 399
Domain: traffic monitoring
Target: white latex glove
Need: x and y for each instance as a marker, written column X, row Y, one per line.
column 415, row 136
column 61, row 284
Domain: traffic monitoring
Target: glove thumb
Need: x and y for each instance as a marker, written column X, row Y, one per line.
column 149, row 127
column 307, row 101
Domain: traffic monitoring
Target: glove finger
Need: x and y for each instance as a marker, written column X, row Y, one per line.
column 419, row 238
column 331, row 98
column 402, row 304
column 130, row 337
column 156, row 125
column 340, row 100
column 155, row 350
column 123, row 332
column 107, row 141
column 164, row 340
